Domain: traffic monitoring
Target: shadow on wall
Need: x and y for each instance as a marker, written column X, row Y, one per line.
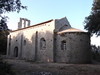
column 37, row 46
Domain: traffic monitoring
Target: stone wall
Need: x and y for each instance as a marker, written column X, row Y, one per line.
column 50, row 41
column 28, row 47
column 77, row 47
column 61, row 24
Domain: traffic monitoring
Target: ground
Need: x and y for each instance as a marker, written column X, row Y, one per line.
column 23, row 67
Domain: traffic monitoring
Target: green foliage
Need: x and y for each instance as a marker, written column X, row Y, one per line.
column 3, row 24
column 95, row 52
column 96, row 5
column 92, row 22
column 3, row 41
column 5, row 68
column 9, row 6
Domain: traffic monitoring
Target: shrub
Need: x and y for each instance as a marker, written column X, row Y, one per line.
column 5, row 68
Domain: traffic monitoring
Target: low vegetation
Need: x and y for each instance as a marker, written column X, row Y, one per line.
column 5, row 68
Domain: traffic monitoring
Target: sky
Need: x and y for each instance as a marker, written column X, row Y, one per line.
column 43, row 10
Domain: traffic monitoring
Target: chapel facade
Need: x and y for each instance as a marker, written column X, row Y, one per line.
column 50, row 41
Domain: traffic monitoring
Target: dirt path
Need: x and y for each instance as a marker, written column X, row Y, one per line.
column 22, row 67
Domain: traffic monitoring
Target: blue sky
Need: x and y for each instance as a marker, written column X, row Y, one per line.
column 43, row 10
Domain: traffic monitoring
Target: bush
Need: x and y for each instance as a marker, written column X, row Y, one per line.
column 5, row 68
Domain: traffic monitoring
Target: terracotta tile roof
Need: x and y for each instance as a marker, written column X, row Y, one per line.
column 70, row 30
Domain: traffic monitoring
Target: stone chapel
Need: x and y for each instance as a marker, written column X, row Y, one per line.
column 50, row 41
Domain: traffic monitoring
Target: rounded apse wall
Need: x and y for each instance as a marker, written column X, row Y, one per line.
column 77, row 47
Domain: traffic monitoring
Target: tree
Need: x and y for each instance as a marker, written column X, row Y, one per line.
column 95, row 52
column 6, row 6
column 9, row 6
column 92, row 22
column 96, row 5
column 5, row 68
column 3, row 41
column 3, row 24
column 94, row 48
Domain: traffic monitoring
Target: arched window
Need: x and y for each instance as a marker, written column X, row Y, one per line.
column 16, row 51
column 42, row 43
column 63, row 45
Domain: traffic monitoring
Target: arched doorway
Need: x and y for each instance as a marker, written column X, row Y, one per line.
column 16, row 51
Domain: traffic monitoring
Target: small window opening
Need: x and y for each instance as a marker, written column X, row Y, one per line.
column 63, row 45
column 24, row 42
column 42, row 44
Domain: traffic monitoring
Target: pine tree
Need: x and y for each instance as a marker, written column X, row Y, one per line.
column 92, row 22
column 96, row 5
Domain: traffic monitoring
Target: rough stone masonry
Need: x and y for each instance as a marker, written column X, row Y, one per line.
column 50, row 41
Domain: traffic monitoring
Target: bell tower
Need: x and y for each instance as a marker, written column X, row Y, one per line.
column 23, row 22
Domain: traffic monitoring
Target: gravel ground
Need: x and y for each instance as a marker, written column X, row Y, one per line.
column 22, row 67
